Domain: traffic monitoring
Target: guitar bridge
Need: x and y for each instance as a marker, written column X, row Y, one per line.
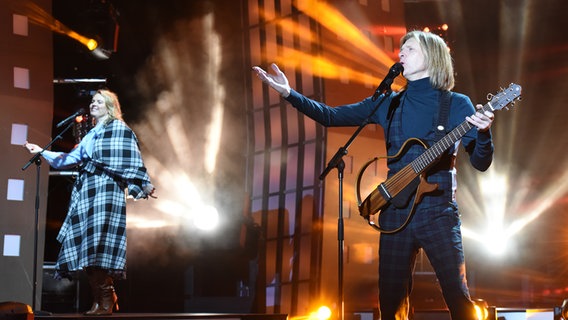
column 384, row 192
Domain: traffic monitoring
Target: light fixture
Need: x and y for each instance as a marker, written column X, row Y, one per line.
column 483, row 310
column 101, row 53
column 105, row 28
column 322, row 313
column 561, row 313
column 480, row 307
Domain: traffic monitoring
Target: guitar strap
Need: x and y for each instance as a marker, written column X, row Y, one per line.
column 443, row 114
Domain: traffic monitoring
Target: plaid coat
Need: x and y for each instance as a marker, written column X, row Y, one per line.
column 94, row 231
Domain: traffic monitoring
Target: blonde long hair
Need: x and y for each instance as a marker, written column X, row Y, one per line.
column 438, row 58
column 112, row 104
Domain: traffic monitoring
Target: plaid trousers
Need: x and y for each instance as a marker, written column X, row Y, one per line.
column 437, row 231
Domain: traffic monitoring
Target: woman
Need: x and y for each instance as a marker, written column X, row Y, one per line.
column 93, row 235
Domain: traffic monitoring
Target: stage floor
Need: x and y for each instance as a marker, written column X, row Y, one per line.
column 167, row 316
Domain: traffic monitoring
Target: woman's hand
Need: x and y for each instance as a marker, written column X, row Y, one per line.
column 32, row 148
column 149, row 190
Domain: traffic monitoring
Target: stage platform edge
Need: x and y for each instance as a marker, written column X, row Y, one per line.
column 167, row 316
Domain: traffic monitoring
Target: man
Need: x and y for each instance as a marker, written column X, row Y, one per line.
column 414, row 113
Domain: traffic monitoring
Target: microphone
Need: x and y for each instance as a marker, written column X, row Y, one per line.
column 385, row 85
column 71, row 117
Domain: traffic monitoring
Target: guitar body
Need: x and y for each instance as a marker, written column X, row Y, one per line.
column 410, row 185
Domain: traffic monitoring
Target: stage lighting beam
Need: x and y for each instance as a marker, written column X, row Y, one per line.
column 39, row 16
column 481, row 309
column 101, row 53
column 322, row 313
column 564, row 310
column 338, row 67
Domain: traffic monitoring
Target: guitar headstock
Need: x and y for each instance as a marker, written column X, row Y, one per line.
column 505, row 97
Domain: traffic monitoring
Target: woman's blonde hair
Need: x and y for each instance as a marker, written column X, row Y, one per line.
column 112, row 105
column 438, row 58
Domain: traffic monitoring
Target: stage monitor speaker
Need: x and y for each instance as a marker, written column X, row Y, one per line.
column 10, row 310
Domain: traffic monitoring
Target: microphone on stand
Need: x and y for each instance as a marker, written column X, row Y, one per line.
column 385, row 85
column 71, row 117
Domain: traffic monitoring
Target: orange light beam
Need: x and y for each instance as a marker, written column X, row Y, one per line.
column 40, row 17
column 333, row 20
column 304, row 33
column 322, row 67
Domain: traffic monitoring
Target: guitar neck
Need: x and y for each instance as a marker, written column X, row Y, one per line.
column 429, row 156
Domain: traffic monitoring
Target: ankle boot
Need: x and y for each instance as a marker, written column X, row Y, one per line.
column 106, row 296
column 108, row 299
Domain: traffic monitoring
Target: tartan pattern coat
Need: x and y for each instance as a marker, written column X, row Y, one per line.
column 94, row 230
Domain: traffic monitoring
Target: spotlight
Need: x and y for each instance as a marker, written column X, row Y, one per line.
column 101, row 53
column 96, row 49
column 561, row 313
column 207, row 218
column 322, row 313
column 92, row 44
column 480, row 307
column 103, row 25
column 483, row 311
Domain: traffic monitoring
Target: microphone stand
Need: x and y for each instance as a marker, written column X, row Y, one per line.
column 37, row 160
column 337, row 162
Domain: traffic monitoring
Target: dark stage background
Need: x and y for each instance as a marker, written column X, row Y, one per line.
column 493, row 43
column 174, row 269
